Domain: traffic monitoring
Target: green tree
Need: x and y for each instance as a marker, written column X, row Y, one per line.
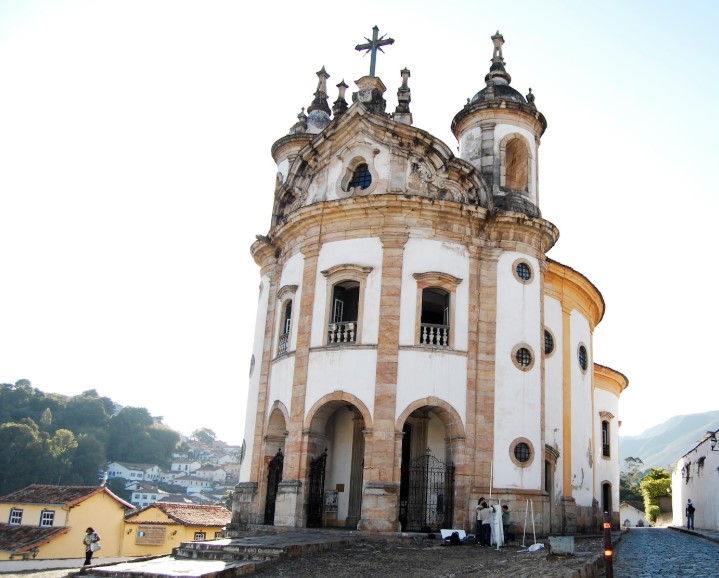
column 23, row 458
column 656, row 484
column 204, row 435
column 117, row 487
column 89, row 460
column 46, row 419
column 629, row 479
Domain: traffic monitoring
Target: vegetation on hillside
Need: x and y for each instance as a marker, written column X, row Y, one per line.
column 52, row 439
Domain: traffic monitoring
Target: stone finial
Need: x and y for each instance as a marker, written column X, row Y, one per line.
column 340, row 106
column 301, row 125
column 497, row 73
column 370, row 92
column 404, row 97
column 498, row 40
column 320, row 100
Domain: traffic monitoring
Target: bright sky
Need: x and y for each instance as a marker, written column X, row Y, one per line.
column 135, row 172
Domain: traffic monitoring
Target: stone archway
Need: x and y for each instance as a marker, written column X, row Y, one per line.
column 337, row 425
column 427, row 469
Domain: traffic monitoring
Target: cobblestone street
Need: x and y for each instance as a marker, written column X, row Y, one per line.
column 650, row 552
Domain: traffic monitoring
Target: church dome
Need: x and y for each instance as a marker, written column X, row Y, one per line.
column 500, row 92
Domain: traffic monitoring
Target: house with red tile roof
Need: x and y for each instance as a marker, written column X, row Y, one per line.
column 49, row 522
column 162, row 526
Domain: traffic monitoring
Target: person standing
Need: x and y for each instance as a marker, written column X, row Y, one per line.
column 505, row 524
column 486, row 531
column 690, row 515
column 478, row 531
column 92, row 543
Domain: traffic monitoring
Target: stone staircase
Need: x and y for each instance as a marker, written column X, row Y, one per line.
column 227, row 557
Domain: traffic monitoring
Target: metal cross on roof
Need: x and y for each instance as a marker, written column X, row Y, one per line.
column 373, row 45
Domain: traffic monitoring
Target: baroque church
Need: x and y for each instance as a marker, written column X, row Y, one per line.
column 415, row 348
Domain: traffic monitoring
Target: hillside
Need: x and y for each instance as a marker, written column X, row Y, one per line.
column 662, row 445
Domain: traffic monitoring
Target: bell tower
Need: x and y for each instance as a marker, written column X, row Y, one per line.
column 499, row 132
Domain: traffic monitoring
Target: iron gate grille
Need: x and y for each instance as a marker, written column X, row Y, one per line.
column 274, row 476
column 316, row 490
column 430, row 500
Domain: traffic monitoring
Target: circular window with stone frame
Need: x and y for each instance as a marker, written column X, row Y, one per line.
column 583, row 357
column 521, row 452
column 523, row 357
column 522, row 271
column 549, row 343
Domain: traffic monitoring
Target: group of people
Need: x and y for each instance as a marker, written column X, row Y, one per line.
column 483, row 535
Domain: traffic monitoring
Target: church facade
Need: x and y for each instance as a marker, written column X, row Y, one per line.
column 415, row 348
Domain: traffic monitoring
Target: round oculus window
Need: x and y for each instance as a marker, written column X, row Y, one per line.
column 522, row 452
column 524, row 272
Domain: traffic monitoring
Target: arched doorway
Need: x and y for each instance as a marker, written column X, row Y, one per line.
column 427, row 483
column 275, row 441
column 337, row 428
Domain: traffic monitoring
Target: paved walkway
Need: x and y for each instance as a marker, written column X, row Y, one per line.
column 671, row 552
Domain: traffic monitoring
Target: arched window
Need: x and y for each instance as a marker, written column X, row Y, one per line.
column 516, row 165
column 605, row 439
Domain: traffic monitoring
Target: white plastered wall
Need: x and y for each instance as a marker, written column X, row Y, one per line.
column 254, row 385
column 582, row 434
column 607, row 469
column 282, row 372
column 554, row 388
column 365, row 252
column 433, row 372
column 423, row 256
column 518, row 394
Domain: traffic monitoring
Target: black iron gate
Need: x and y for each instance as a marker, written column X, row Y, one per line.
column 316, row 484
column 430, row 494
column 274, row 476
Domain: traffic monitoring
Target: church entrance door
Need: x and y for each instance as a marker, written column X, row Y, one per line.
column 274, row 476
column 427, row 493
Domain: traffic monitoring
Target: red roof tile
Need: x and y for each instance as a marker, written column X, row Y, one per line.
column 60, row 495
column 23, row 538
column 190, row 514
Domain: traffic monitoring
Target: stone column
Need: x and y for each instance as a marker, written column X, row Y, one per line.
column 380, row 503
column 486, row 373
column 356, row 468
column 289, row 509
column 569, row 507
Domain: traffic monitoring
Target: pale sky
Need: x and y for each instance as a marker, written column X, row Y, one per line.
column 135, row 172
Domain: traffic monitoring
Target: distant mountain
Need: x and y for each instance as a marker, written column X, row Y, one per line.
column 662, row 445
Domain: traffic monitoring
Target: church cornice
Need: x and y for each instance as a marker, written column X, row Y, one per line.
column 573, row 289
column 609, row 379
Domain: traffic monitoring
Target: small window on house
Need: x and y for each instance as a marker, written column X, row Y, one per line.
column 434, row 318
column 47, row 518
column 361, row 177
column 523, row 271
column 218, row 535
column 15, row 516
column 605, row 439
column 344, row 313
column 199, row 536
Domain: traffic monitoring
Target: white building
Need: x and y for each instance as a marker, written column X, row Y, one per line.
column 695, row 478
column 415, row 347
column 134, row 472
column 632, row 516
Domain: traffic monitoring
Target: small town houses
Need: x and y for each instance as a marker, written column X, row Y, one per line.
column 48, row 522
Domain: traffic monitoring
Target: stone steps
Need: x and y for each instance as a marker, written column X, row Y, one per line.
column 226, row 557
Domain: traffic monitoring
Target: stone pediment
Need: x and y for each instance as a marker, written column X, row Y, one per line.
column 391, row 157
